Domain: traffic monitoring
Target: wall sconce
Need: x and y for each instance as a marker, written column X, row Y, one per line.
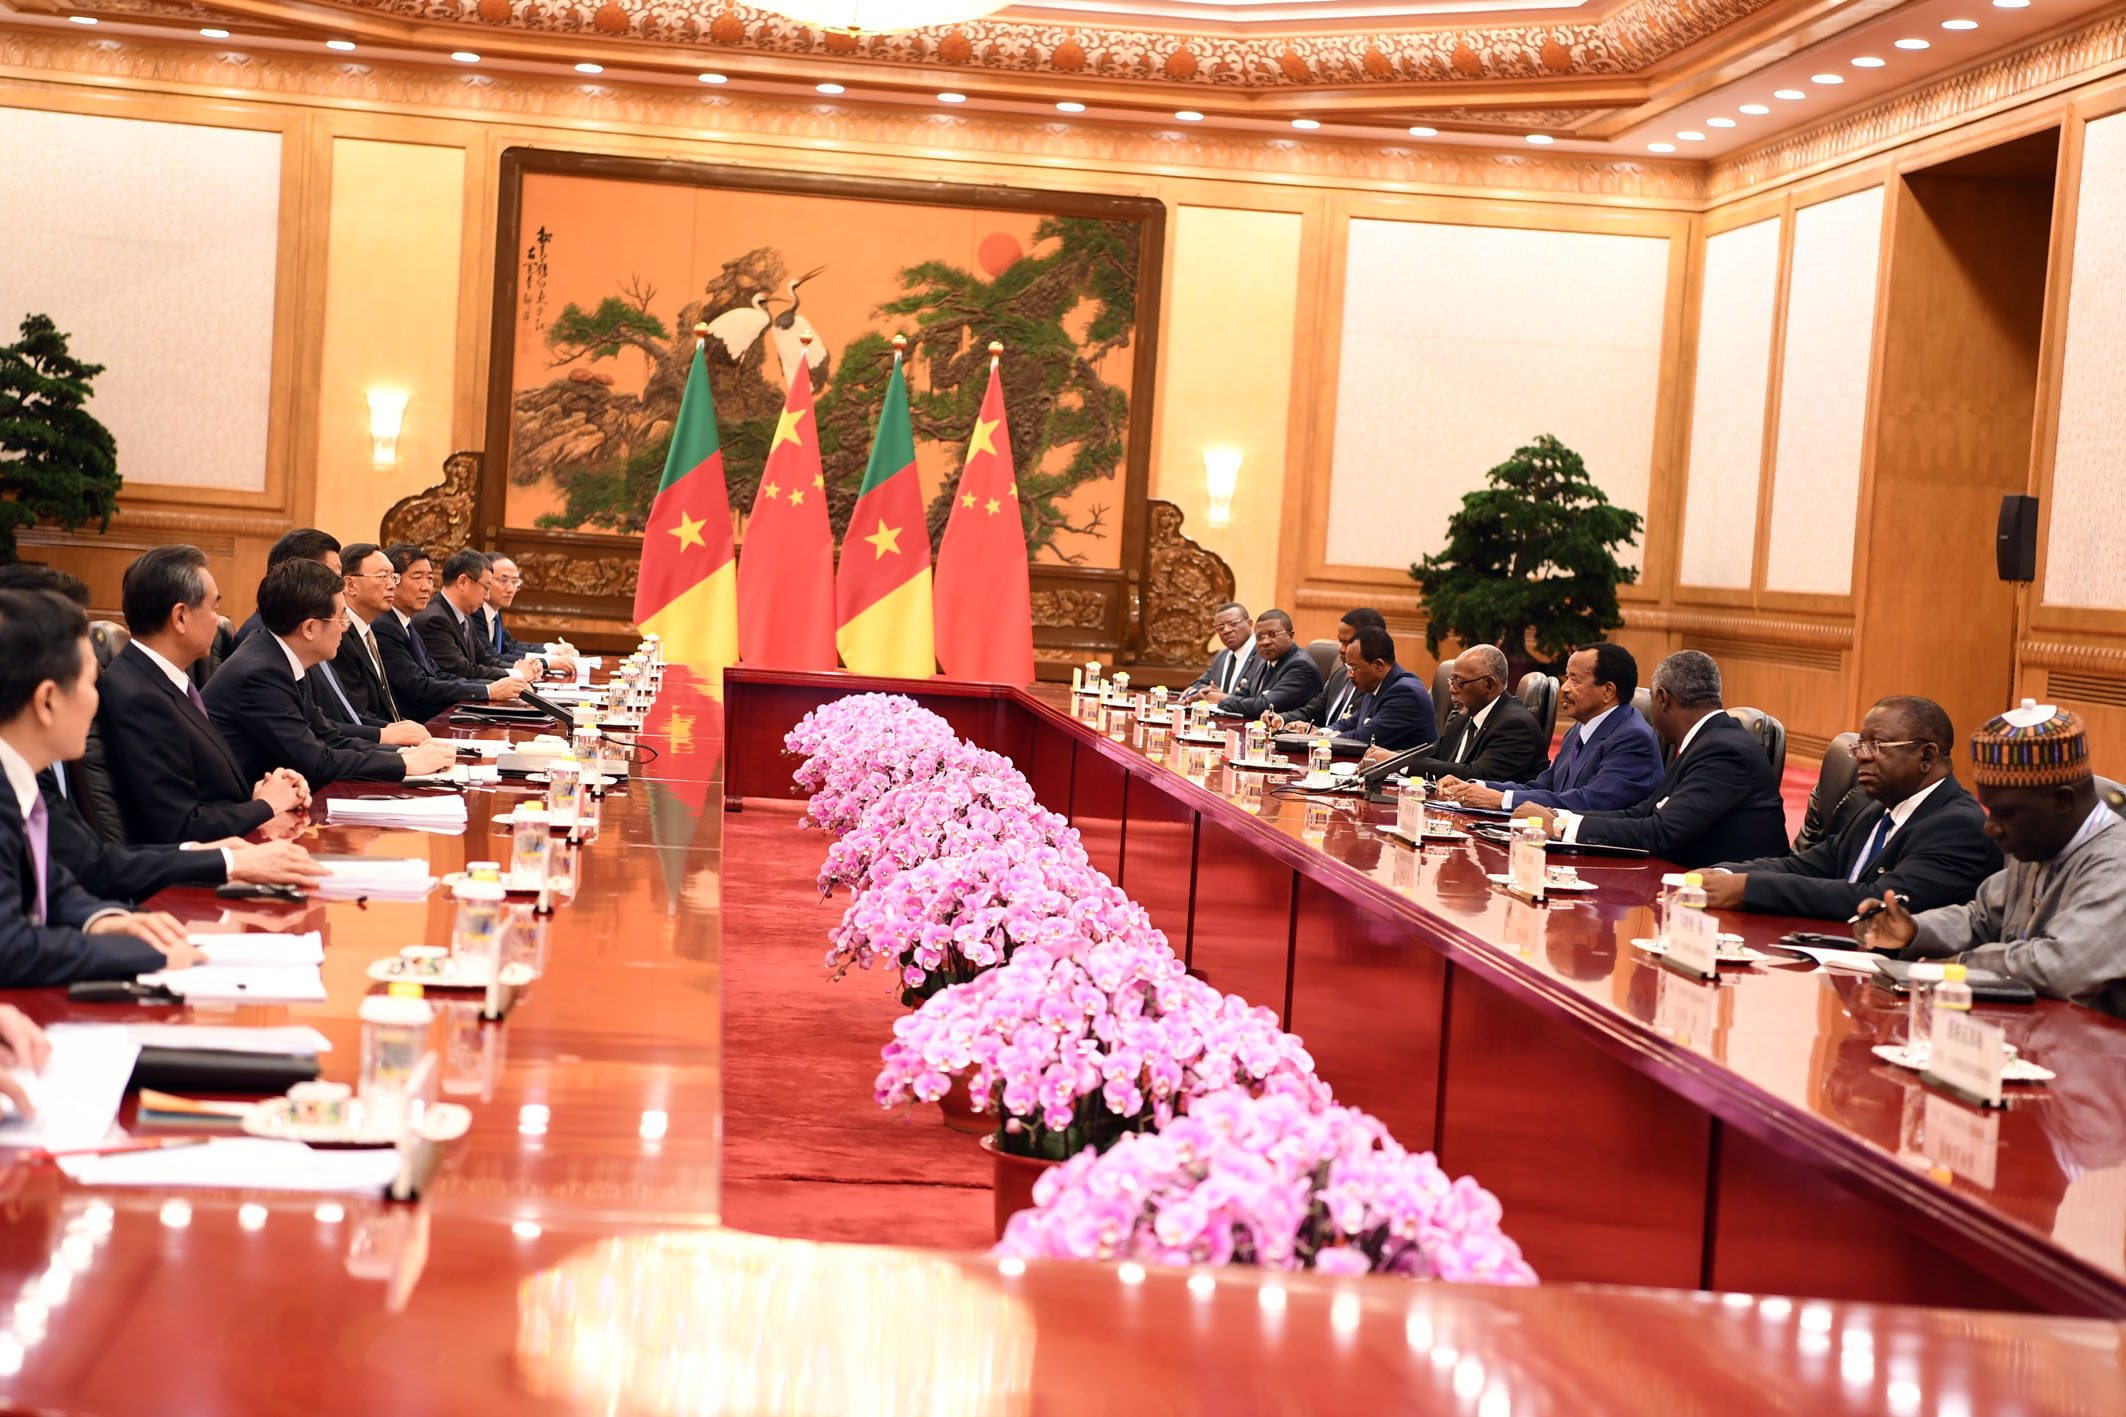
column 1221, row 474
column 387, row 414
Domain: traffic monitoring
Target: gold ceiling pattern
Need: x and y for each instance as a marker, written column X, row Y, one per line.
column 1629, row 40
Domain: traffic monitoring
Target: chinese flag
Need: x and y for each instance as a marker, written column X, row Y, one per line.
column 882, row 586
column 984, row 608
column 786, row 570
column 687, row 590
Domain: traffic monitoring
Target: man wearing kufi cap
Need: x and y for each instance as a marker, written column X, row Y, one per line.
column 2056, row 916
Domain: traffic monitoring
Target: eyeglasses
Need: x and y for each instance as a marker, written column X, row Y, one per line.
column 1865, row 748
column 340, row 620
column 1456, row 681
column 509, row 580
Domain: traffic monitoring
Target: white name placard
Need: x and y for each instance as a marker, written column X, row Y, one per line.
column 1687, row 1012
column 1692, row 940
column 1965, row 1141
column 1966, row 1055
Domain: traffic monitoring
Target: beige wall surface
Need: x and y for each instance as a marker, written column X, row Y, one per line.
column 1736, row 313
column 2083, row 565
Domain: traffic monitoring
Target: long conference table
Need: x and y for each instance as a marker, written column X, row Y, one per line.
column 567, row 1257
column 1640, row 1127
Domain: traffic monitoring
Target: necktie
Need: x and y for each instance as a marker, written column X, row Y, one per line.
column 472, row 651
column 1232, row 672
column 376, row 662
column 1568, row 759
column 420, row 651
column 192, row 693
column 332, row 682
column 494, row 632
column 1343, row 702
column 37, row 828
column 1872, row 849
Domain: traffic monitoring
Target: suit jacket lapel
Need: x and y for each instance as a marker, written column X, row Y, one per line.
column 189, row 713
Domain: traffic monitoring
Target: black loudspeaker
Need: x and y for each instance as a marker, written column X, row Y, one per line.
column 2015, row 548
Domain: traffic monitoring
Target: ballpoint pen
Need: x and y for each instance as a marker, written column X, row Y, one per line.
column 1875, row 907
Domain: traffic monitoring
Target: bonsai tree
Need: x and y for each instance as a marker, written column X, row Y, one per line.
column 56, row 460
column 1533, row 551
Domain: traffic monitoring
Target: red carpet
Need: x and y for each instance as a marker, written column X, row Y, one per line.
column 806, row 1152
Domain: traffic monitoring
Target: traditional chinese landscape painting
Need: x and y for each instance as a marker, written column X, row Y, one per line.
column 616, row 262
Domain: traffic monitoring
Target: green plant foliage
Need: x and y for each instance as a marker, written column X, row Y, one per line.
column 1533, row 551
column 56, row 461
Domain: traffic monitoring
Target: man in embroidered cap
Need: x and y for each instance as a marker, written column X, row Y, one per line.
column 2056, row 916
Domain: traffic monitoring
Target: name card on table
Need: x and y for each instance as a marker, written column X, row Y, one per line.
column 1687, row 1012
column 1964, row 1141
column 1965, row 1057
column 1693, row 939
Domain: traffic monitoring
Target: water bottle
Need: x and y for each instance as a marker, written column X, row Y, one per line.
column 1924, row 978
column 1952, row 995
column 1665, row 906
column 1524, row 858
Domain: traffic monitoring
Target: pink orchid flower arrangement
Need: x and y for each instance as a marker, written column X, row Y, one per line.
column 1269, row 1181
column 943, row 921
column 877, row 757
column 978, row 800
column 1075, row 1050
column 836, row 735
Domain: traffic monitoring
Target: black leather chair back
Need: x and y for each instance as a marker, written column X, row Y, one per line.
column 1442, row 701
column 1539, row 691
column 1768, row 730
column 1642, row 699
column 107, row 640
column 89, row 780
column 224, row 645
column 1835, row 798
column 1324, row 654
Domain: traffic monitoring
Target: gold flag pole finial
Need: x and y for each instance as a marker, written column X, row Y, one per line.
column 701, row 335
column 996, row 349
column 805, row 339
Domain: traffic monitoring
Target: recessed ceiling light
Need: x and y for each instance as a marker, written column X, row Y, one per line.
column 215, row 34
column 1959, row 24
column 1691, row 135
column 339, row 44
column 82, row 19
column 1755, row 110
column 713, row 78
column 1869, row 61
column 590, row 68
column 2011, row 4
column 1189, row 115
column 1660, row 147
column 1826, row 78
column 1424, row 132
column 1067, row 106
column 1913, row 44
column 1307, row 123
column 1719, row 122
column 952, row 98
column 465, row 56
column 1788, row 94
column 1541, row 140
column 830, row 88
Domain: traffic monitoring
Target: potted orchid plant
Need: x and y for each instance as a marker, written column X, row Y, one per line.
column 1269, row 1181
column 979, row 799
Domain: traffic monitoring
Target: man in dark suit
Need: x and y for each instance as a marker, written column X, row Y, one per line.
column 1491, row 735
column 1719, row 798
column 446, row 627
column 1337, row 691
column 1610, row 758
column 1235, row 629
column 52, row 932
column 1393, row 709
column 1923, row 836
column 304, row 543
column 1279, row 678
column 256, row 699
column 356, row 700
column 419, row 687
column 487, row 622
column 174, row 774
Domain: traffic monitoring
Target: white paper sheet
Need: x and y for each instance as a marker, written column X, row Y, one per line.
column 260, row 947
column 243, row 984
column 438, row 814
column 78, row 1093
column 385, row 877
column 1855, row 961
column 241, row 1163
column 288, row 1038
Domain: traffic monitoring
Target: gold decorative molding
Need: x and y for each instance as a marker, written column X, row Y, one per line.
column 439, row 516
column 2073, row 658
column 652, row 110
column 2073, row 58
column 1633, row 38
column 1184, row 584
column 1722, row 625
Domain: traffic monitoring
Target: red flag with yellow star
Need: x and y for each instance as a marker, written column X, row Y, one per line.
column 687, row 589
column 984, row 607
column 786, row 568
column 882, row 586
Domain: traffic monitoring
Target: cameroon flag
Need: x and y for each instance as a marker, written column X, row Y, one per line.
column 882, row 587
column 984, row 604
column 688, row 588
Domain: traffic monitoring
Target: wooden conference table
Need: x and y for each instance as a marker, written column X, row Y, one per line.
column 1640, row 1127
column 566, row 1258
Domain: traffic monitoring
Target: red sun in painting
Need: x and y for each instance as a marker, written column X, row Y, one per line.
column 998, row 253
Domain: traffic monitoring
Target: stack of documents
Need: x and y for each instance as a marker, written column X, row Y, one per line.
column 240, row 1163
column 381, row 877
column 243, row 983
column 444, row 813
column 260, row 949
column 77, row 1094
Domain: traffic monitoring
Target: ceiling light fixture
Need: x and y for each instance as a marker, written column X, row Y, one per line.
column 342, row 45
column 1826, row 78
column 1755, row 110
column 1660, row 147
column 1788, row 94
column 1719, row 122
column 215, row 34
column 1424, row 132
column 1541, row 140
column 1869, row 61
column 830, row 88
column 952, row 98
column 465, row 56
column 1067, row 106
column 1691, row 135
column 2011, row 4
column 713, row 78
column 1913, row 44
column 1189, row 115
column 1959, row 24
column 881, row 16
column 82, row 19
column 590, row 68
column 1307, row 123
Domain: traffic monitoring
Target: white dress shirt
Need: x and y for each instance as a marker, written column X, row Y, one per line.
column 23, row 778
column 295, row 664
column 172, row 672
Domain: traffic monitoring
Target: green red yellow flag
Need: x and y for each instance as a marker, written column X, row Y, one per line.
column 984, row 604
column 687, row 590
column 882, row 586
column 786, row 569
